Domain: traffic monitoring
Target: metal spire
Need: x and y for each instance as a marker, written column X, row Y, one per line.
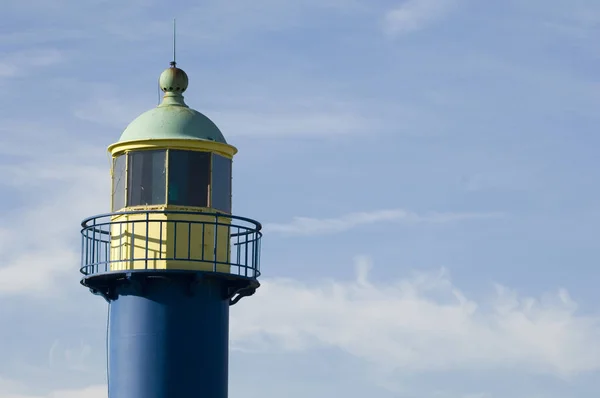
column 174, row 63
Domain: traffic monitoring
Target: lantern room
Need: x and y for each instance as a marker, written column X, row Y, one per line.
column 171, row 188
column 195, row 178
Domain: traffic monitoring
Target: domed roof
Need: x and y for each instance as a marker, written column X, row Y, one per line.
column 172, row 119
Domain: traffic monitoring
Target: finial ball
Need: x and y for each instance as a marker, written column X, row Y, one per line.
column 173, row 80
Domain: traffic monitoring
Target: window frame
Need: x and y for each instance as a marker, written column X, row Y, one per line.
column 210, row 183
column 230, row 177
column 125, row 180
column 209, row 188
column 129, row 153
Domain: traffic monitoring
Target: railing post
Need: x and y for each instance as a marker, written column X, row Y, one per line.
column 238, row 247
column 147, row 230
column 228, row 241
column 107, row 246
column 255, row 253
column 257, row 271
column 246, row 255
column 83, row 264
column 189, row 243
column 94, row 264
column 132, row 245
column 160, row 240
column 87, row 249
column 174, row 239
column 120, row 242
column 203, row 239
column 216, row 242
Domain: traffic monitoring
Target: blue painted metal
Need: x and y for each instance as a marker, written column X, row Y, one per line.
column 169, row 329
column 169, row 338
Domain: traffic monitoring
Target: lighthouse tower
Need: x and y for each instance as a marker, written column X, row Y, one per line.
column 170, row 258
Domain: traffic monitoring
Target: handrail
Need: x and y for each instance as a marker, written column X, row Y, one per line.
column 194, row 213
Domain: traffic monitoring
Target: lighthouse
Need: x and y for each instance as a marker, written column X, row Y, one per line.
column 170, row 258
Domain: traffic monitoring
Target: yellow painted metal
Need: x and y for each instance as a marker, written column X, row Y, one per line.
column 170, row 241
column 190, row 145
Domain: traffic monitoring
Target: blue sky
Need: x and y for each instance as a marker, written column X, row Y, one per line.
column 426, row 171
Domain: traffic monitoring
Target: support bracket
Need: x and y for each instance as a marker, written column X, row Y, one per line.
column 236, row 295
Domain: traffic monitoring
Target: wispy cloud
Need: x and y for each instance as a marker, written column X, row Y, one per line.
column 110, row 111
column 24, row 62
column 58, row 184
column 319, row 226
column 143, row 21
column 276, row 117
column 313, row 123
column 421, row 324
column 10, row 389
column 413, row 15
column 577, row 19
column 70, row 358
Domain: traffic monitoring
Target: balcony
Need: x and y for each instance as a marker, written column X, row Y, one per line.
column 158, row 242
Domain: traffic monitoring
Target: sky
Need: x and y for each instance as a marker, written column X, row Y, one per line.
column 425, row 170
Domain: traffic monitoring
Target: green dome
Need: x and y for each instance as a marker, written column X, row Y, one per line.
column 172, row 119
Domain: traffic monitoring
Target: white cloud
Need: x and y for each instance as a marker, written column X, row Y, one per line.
column 578, row 19
column 276, row 117
column 68, row 356
column 57, row 185
column 89, row 392
column 10, row 389
column 413, row 15
column 283, row 124
column 503, row 178
column 421, row 324
column 318, row 226
column 24, row 62
column 143, row 21
column 110, row 111
column 42, row 246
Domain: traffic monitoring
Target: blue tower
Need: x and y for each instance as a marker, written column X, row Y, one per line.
column 171, row 258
